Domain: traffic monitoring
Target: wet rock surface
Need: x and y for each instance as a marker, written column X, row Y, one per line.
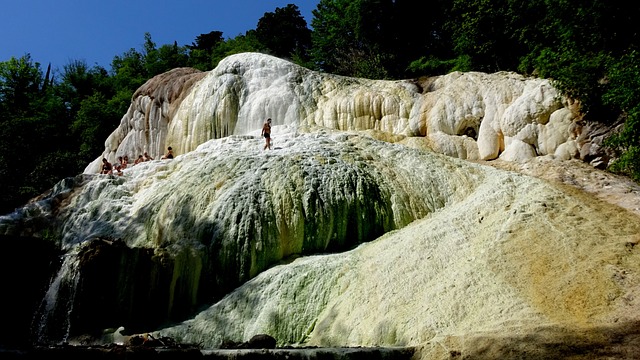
column 189, row 352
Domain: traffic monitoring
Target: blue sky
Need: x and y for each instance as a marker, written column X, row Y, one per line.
column 95, row 31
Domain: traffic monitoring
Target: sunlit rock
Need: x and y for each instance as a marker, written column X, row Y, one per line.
column 144, row 127
column 364, row 226
column 199, row 225
column 465, row 115
column 513, row 255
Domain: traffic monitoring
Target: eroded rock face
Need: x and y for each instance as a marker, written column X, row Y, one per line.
column 352, row 231
column 144, row 127
column 466, row 115
column 507, row 254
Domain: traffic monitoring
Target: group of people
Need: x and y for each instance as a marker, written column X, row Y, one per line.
column 142, row 158
column 123, row 162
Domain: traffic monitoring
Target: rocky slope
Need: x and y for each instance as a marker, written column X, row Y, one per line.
column 450, row 215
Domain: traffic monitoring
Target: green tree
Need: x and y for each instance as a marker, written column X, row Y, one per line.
column 380, row 38
column 160, row 60
column 92, row 125
column 342, row 41
column 624, row 78
column 285, row 33
column 128, row 71
column 21, row 82
column 487, row 32
column 332, row 33
column 201, row 51
column 32, row 125
column 419, row 39
column 241, row 43
column 86, row 92
column 79, row 81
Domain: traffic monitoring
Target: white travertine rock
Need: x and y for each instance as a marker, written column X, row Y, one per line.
column 508, row 258
column 462, row 147
column 567, row 151
column 556, row 132
column 517, row 150
column 144, row 127
column 480, row 262
column 244, row 89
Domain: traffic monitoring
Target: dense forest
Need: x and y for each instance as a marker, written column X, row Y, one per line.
column 54, row 121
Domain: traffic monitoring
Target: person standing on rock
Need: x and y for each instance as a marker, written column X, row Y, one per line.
column 266, row 132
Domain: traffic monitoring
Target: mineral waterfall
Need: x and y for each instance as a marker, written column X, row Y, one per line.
column 374, row 221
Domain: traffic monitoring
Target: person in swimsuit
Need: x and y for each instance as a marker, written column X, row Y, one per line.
column 107, row 168
column 147, row 157
column 117, row 166
column 266, row 132
column 169, row 154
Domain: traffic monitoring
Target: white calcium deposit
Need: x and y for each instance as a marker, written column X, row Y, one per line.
column 451, row 256
column 467, row 115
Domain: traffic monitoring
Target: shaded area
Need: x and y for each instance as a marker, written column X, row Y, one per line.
column 25, row 267
column 141, row 352
column 137, row 288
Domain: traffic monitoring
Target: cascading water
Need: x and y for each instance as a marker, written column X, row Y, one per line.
column 52, row 323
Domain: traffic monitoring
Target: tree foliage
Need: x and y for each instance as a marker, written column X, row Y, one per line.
column 342, row 42
column 241, row 43
column 32, row 119
column 379, row 39
column 200, row 51
column 165, row 58
column 21, row 82
column 284, row 33
column 624, row 77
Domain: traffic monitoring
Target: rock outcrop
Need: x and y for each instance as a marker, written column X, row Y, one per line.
column 356, row 230
column 466, row 115
column 144, row 127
